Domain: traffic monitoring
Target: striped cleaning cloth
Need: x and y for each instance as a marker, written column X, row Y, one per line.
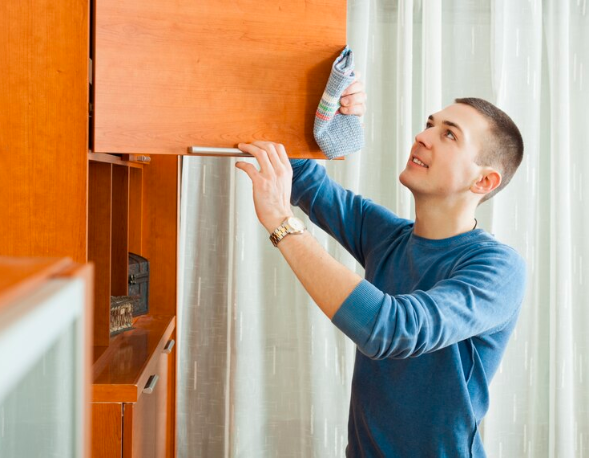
column 337, row 134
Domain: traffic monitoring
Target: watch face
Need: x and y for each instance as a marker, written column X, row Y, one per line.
column 296, row 224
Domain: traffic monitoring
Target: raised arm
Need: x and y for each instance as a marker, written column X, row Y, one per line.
column 327, row 281
column 481, row 296
column 352, row 220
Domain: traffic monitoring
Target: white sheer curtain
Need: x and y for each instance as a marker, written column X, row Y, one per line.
column 263, row 373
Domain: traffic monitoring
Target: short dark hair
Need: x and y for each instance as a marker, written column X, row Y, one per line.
column 505, row 147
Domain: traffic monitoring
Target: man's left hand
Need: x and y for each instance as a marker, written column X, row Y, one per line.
column 353, row 99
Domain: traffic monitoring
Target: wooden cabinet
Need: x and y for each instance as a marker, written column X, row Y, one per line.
column 133, row 392
column 43, row 128
column 169, row 75
column 133, row 207
column 166, row 75
column 146, row 421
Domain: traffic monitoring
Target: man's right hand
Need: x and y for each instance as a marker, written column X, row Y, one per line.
column 272, row 184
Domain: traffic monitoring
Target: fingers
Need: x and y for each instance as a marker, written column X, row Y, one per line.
column 353, row 99
column 258, row 153
column 354, row 104
column 356, row 86
column 271, row 150
column 357, row 110
column 283, row 156
column 271, row 156
column 248, row 168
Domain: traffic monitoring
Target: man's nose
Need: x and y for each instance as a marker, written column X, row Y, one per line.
column 424, row 138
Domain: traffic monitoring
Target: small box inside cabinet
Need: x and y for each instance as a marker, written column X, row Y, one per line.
column 139, row 282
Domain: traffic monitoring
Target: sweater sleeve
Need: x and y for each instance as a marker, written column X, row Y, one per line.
column 482, row 296
column 341, row 213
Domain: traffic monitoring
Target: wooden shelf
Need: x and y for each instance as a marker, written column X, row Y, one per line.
column 115, row 222
column 113, row 159
column 134, row 209
column 122, row 370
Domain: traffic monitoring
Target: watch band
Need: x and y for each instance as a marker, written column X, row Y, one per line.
column 285, row 229
column 279, row 234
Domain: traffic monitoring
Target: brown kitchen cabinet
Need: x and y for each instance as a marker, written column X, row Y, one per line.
column 60, row 201
column 170, row 75
column 132, row 207
column 132, row 399
column 165, row 76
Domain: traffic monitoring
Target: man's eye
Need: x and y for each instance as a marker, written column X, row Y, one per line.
column 428, row 125
column 450, row 134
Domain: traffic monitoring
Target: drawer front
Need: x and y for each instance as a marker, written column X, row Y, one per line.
column 145, row 422
column 170, row 75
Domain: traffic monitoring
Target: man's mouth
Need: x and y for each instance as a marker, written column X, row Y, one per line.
column 419, row 162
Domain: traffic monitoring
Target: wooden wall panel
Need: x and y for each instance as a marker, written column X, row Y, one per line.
column 99, row 246
column 160, row 231
column 174, row 74
column 120, row 231
column 135, row 210
column 43, row 127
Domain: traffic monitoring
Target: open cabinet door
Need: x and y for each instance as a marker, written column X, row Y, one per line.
column 174, row 74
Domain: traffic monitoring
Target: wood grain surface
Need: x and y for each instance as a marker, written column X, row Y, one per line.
column 20, row 276
column 121, row 372
column 135, row 210
column 169, row 75
column 145, row 433
column 120, row 231
column 100, row 246
column 43, row 128
column 107, row 430
column 160, row 231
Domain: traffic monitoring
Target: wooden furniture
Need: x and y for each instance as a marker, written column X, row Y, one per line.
column 133, row 392
column 133, row 208
column 43, row 128
column 56, row 203
column 166, row 75
column 45, row 380
column 169, row 75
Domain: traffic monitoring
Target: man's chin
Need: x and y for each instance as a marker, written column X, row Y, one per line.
column 404, row 179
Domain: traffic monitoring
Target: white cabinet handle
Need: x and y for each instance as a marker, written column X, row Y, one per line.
column 213, row 151
column 169, row 347
column 151, row 383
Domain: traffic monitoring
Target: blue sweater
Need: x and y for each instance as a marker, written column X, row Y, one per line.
column 431, row 322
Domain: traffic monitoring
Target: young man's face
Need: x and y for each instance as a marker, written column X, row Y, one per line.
column 445, row 152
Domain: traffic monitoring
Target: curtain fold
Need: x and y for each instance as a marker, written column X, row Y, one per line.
column 261, row 371
column 562, row 400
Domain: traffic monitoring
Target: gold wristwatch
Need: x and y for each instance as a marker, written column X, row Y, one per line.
column 291, row 225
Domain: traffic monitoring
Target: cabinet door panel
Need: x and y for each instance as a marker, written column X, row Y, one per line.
column 107, row 428
column 145, row 429
column 169, row 75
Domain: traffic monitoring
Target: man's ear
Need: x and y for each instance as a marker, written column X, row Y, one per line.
column 487, row 182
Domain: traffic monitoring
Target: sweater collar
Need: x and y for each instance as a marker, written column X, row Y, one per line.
column 459, row 239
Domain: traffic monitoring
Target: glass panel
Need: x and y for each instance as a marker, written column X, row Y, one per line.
column 37, row 419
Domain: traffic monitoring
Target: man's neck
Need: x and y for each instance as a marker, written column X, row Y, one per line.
column 441, row 220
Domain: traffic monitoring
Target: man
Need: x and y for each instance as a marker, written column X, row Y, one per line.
column 440, row 298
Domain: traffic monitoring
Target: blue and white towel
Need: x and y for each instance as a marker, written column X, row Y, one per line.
column 337, row 134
